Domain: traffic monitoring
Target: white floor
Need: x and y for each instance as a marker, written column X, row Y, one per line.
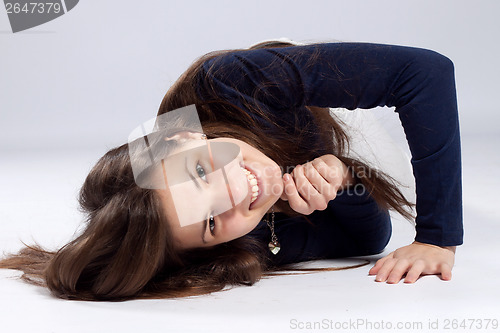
column 37, row 202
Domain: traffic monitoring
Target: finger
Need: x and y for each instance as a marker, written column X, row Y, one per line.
column 284, row 196
column 326, row 190
column 386, row 268
column 304, row 186
column 398, row 271
column 332, row 174
column 374, row 270
column 324, row 193
column 308, row 193
column 378, row 265
column 445, row 272
column 294, row 199
column 415, row 271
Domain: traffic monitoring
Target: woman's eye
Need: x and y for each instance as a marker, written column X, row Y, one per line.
column 211, row 224
column 201, row 172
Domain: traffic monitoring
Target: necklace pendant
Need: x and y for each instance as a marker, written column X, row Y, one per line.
column 274, row 247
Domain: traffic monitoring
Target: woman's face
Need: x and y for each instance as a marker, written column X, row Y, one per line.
column 259, row 173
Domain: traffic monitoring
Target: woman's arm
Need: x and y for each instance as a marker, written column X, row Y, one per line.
column 418, row 83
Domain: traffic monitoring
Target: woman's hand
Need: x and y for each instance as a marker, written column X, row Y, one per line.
column 312, row 185
column 414, row 260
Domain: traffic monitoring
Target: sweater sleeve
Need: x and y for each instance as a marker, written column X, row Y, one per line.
column 419, row 83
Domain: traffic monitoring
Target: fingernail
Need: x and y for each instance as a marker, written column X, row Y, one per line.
column 286, row 177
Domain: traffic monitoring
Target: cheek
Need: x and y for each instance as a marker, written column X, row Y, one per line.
column 272, row 180
column 237, row 183
column 236, row 227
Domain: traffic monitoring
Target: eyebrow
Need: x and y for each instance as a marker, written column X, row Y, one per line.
column 199, row 187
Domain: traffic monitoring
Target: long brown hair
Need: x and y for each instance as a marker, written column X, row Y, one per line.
column 125, row 250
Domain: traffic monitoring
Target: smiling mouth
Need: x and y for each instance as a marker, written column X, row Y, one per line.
column 254, row 184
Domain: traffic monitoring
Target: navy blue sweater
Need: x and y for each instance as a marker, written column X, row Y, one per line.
column 420, row 85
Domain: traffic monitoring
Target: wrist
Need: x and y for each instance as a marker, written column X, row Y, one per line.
column 450, row 248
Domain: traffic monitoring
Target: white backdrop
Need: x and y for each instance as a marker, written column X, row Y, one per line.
column 87, row 78
column 74, row 87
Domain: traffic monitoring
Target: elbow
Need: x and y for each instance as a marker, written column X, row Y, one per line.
column 441, row 64
column 428, row 76
column 376, row 241
column 434, row 66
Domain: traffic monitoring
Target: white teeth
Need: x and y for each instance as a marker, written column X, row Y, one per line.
column 252, row 180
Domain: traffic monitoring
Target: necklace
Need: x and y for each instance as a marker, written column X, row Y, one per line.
column 274, row 246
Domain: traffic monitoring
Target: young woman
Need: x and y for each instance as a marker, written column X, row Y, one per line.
column 306, row 199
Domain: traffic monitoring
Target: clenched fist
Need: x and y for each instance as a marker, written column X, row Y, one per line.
column 312, row 185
